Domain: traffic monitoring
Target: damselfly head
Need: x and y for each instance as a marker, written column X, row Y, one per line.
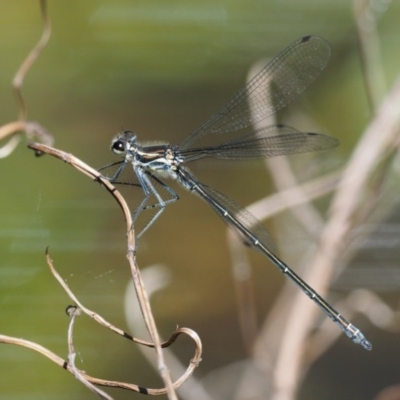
column 122, row 142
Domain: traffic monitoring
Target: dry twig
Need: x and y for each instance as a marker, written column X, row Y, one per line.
column 31, row 129
column 137, row 280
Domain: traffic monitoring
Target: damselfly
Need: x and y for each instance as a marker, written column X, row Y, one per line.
column 286, row 76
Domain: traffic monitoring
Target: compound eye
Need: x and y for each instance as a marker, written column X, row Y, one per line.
column 118, row 147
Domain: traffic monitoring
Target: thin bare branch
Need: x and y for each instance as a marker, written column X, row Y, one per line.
column 99, row 319
column 137, row 280
column 287, row 198
column 30, row 60
column 74, row 312
column 90, row 172
column 100, row 382
column 32, row 129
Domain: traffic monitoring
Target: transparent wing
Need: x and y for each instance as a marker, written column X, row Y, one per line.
column 267, row 142
column 275, row 86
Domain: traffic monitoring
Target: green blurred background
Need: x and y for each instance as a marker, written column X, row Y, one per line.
column 160, row 68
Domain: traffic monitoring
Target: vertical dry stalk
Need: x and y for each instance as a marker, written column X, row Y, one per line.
column 369, row 50
column 376, row 141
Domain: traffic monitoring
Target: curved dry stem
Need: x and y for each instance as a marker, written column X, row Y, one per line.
column 137, row 279
column 32, row 129
column 74, row 312
column 100, row 382
column 288, row 198
column 91, row 173
column 11, row 128
column 99, row 319
column 30, row 60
